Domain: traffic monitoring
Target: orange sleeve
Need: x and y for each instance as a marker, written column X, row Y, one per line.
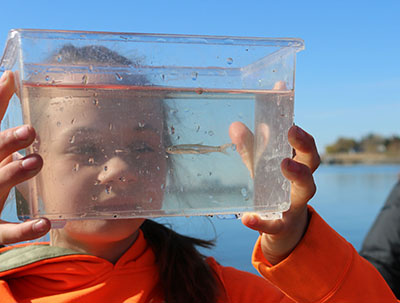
column 5, row 293
column 324, row 267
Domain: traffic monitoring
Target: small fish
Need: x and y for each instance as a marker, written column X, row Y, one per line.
column 197, row 149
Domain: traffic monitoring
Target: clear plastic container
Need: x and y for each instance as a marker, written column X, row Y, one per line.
column 147, row 125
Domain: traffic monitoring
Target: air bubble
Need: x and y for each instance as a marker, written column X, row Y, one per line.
column 197, row 128
column 210, row 133
column 229, row 60
column 194, row 76
column 243, row 191
column 118, row 77
column 76, row 167
column 58, row 123
column 84, row 79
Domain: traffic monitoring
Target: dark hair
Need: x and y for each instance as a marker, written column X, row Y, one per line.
column 184, row 274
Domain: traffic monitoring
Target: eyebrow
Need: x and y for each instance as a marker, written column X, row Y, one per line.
column 90, row 131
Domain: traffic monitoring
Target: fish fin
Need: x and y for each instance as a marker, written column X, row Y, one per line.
column 224, row 147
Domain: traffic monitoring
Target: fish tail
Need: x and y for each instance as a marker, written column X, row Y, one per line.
column 224, row 147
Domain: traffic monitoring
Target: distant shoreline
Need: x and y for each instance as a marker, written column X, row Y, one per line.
column 360, row 158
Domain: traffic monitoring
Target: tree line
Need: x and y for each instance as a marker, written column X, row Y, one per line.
column 371, row 143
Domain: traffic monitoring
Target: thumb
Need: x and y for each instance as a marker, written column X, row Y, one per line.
column 18, row 232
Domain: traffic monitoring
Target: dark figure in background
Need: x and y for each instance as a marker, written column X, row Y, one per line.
column 382, row 244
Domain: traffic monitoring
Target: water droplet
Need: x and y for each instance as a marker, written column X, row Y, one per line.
column 118, row 77
column 158, row 168
column 108, row 189
column 97, row 182
column 47, row 78
column 72, row 140
column 59, row 58
column 94, row 198
column 163, row 77
column 105, row 168
column 234, row 147
column 194, row 76
column 229, row 60
column 198, row 175
column 96, row 102
column 58, row 123
column 141, row 124
column 210, row 173
column 91, row 161
column 172, row 130
column 199, row 91
column 150, row 200
column 91, row 67
column 162, row 186
column 110, row 126
column 76, row 167
column 122, row 179
column 273, row 70
column 211, row 197
column 84, row 79
column 73, row 121
column 210, row 133
column 244, row 192
column 35, row 72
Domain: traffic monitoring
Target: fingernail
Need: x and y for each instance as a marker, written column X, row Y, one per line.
column 30, row 163
column 22, row 133
column 4, row 77
column 40, row 226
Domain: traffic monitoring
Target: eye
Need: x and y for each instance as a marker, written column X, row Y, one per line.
column 84, row 149
column 141, row 147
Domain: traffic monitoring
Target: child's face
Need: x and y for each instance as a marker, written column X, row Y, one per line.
column 102, row 152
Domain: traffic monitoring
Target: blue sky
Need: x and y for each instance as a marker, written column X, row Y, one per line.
column 347, row 79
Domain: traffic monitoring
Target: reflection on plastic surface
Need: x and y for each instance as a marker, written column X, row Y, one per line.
column 157, row 133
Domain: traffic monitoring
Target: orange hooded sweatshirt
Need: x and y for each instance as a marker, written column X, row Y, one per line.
column 322, row 268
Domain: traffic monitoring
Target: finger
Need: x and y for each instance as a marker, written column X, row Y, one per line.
column 305, row 148
column 303, row 187
column 14, row 139
column 17, row 232
column 243, row 138
column 253, row 221
column 18, row 171
column 7, row 89
column 262, row 140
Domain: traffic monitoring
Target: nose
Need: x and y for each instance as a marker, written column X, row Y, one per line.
column 117, row 172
